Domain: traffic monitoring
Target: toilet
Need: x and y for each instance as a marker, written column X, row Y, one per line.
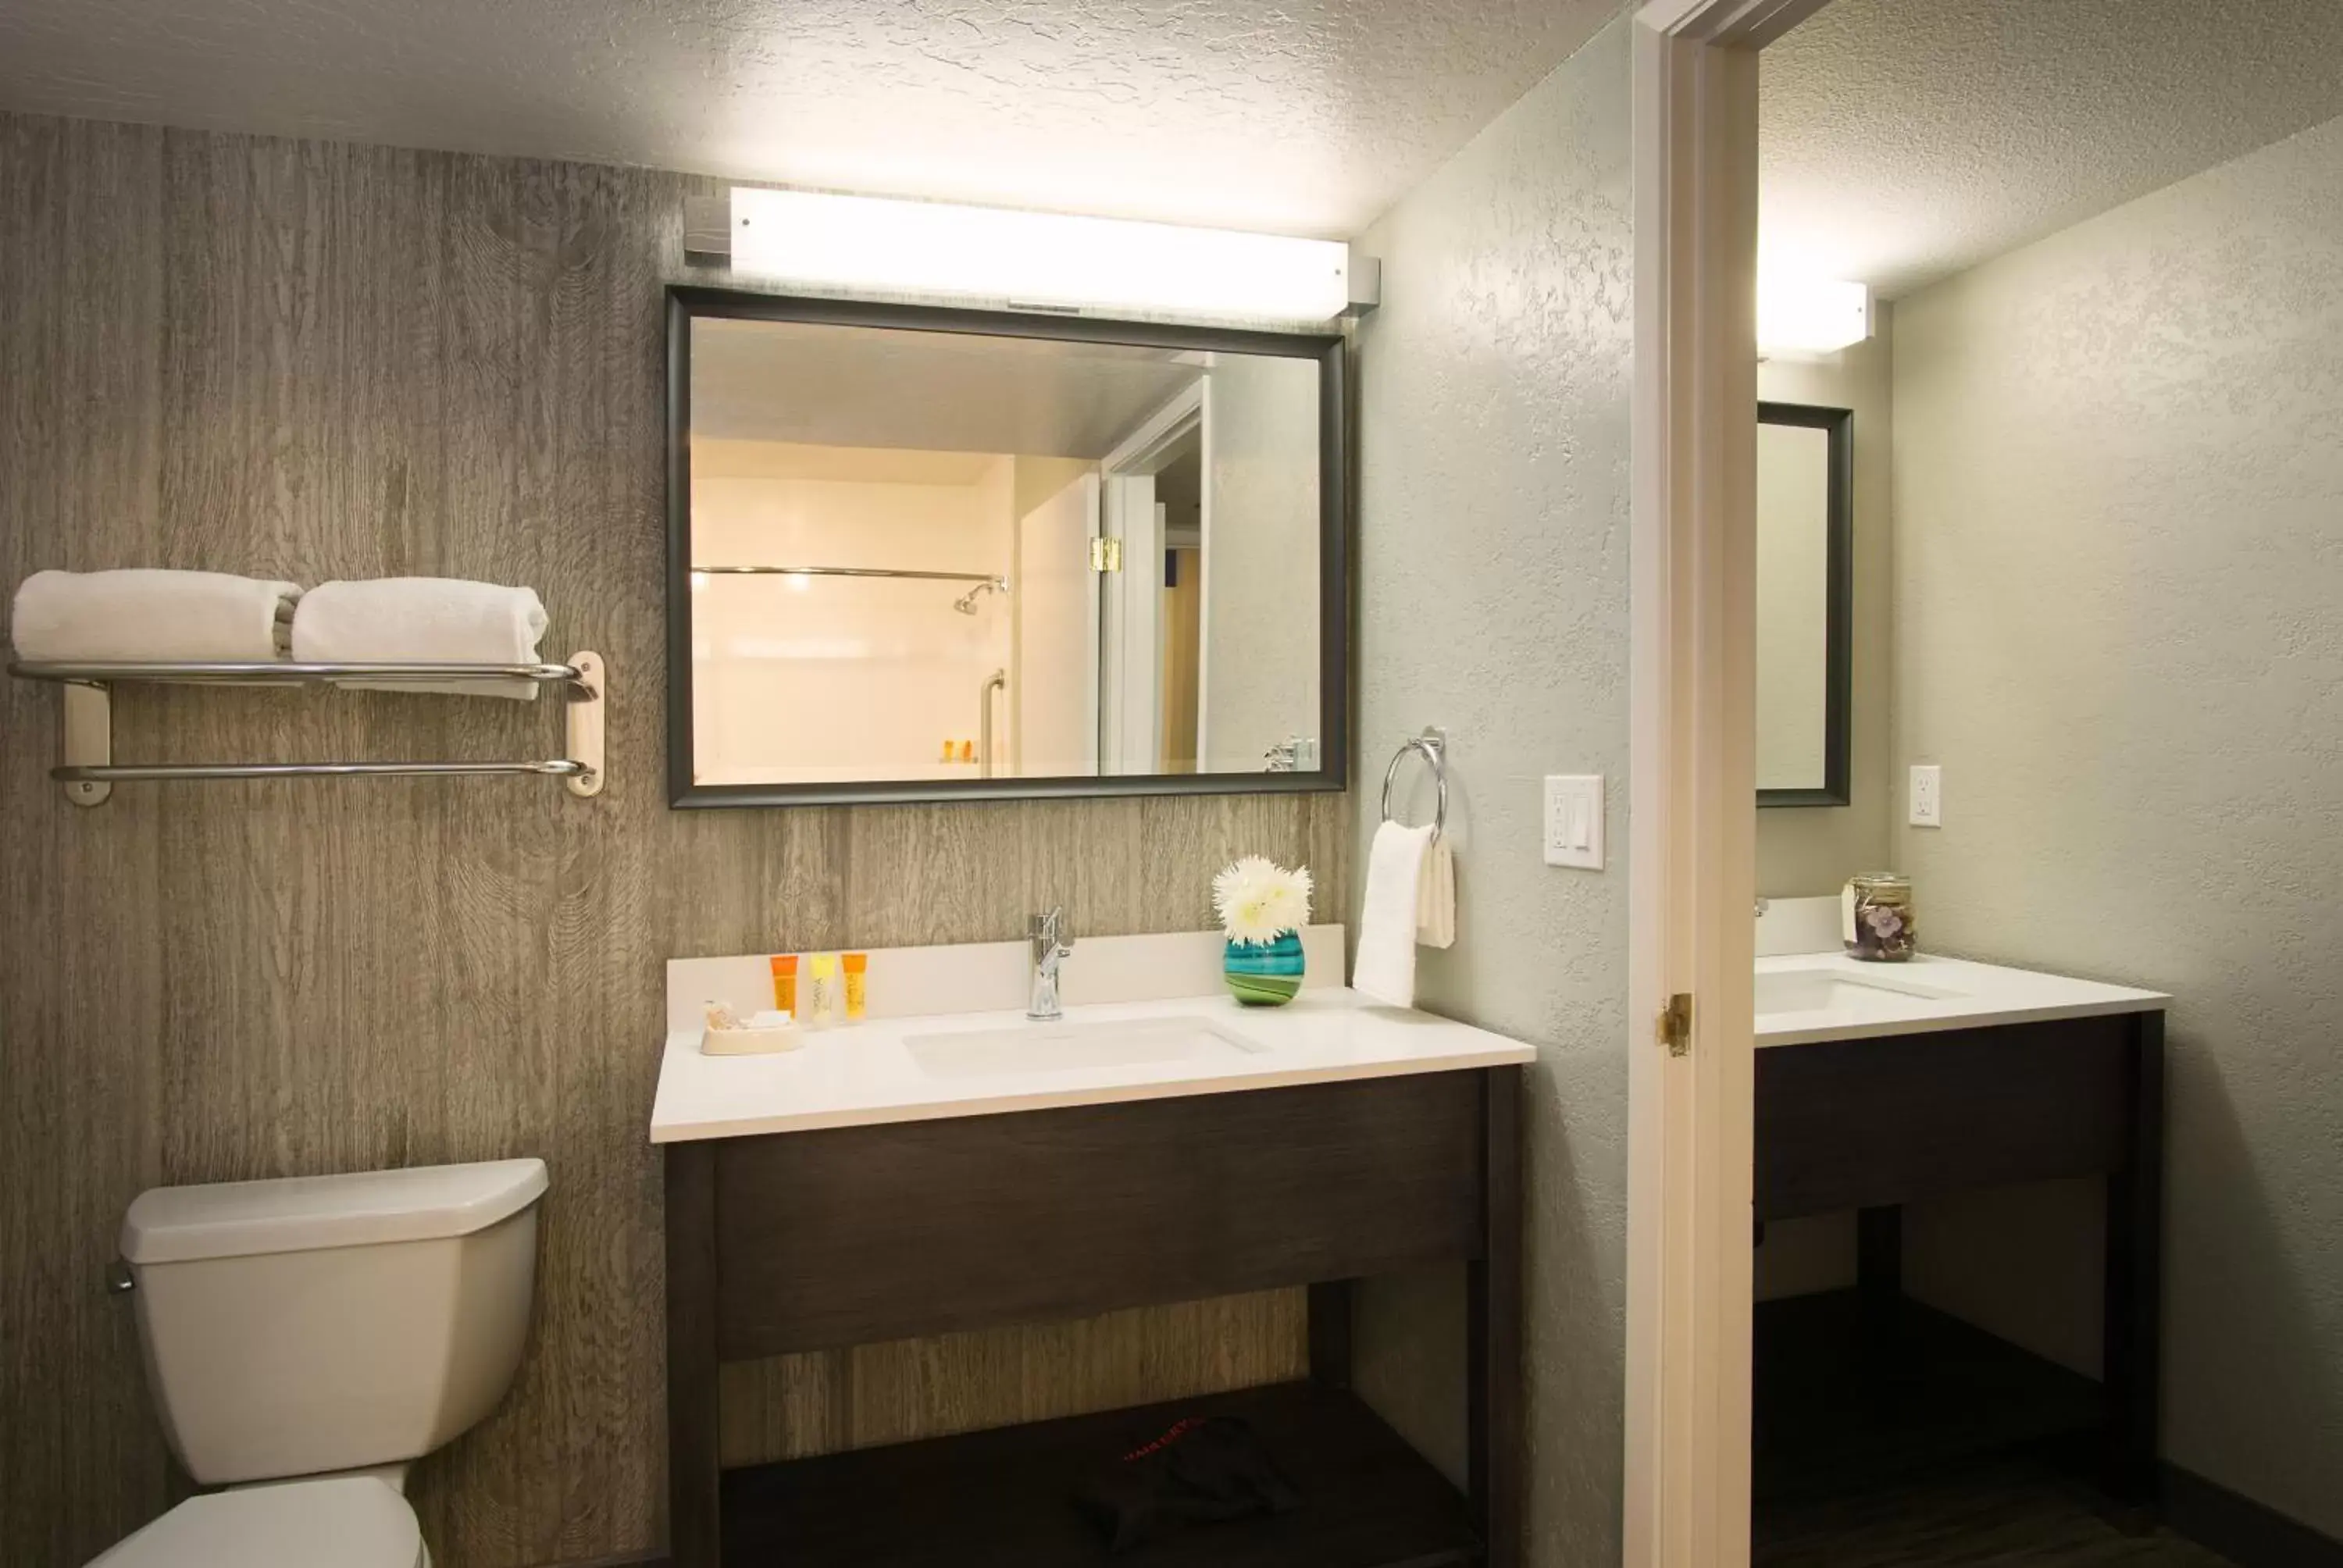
column 306, row 1338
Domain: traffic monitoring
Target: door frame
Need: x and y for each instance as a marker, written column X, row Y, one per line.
column 1692, row 798
column 1131, row 619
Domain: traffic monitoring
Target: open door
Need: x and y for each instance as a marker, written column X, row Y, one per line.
column 1054, row 722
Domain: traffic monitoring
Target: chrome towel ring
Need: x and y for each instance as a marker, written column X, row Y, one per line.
column 1432, row 746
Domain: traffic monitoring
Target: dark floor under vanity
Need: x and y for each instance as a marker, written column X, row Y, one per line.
column 2014, row 1510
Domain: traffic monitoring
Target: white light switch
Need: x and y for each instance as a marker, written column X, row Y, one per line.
column 1927, row 796
column 1573, row 821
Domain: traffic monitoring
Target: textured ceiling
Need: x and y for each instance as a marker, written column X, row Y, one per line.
column 1306, row 117
column 1905, row 140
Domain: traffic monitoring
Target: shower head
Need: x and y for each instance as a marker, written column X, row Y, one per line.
column 966, row 603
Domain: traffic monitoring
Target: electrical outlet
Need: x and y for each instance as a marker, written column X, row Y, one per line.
column 1573, row 821
column 1927, row 796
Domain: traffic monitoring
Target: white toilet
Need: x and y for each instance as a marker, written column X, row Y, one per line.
column 306, row 1338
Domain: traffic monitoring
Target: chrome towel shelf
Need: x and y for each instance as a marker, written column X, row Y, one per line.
column 89, row 772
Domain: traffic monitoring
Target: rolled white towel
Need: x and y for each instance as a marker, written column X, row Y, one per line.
column 147, row 614
column 421, row 620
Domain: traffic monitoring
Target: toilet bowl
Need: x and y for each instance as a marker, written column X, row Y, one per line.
column 305, row 1338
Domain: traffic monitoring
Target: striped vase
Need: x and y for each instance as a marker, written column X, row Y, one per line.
column 1264, row 974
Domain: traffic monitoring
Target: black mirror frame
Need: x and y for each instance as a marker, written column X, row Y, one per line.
column 1839, row 656
column 686, row 302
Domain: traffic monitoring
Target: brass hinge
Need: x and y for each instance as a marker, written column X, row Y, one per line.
column 1673, row 1028
column 1106, row 554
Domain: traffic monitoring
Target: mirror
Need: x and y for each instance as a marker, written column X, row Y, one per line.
column 919, row 553
column 1806, row 566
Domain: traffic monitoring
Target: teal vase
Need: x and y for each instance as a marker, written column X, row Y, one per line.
column 1264, row 974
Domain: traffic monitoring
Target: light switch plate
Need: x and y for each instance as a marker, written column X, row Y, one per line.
column 1573, row 821
column 1927, row 795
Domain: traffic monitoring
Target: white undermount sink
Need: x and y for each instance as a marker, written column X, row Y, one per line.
column 1073, row 1047
column 1830, row 991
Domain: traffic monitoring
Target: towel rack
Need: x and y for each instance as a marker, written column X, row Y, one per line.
column 1433, row 746
column 89, row 772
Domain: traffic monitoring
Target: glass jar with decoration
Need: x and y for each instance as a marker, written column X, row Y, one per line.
column 1876, row 918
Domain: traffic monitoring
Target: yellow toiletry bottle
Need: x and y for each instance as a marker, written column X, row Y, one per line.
column 821, row 994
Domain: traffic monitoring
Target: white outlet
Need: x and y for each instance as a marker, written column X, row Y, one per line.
column 1573, row 821
column 1927, row 795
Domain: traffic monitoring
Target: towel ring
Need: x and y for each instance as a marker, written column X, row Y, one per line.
column 1432, row 746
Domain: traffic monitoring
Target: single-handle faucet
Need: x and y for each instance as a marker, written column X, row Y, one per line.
column 1050, row 950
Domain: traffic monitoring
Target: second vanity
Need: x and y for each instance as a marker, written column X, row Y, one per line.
column 1879, row 1085
column 937, row 1172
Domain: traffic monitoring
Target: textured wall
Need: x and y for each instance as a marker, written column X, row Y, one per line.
column 307, row 360
column 1805, row 851
column 2119, row 470
column 1492, row 581
column 1312, row 116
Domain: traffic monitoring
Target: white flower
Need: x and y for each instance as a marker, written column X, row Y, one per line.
column 1258, row 901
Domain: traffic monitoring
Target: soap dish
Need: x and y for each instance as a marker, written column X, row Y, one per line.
column 759, row 1036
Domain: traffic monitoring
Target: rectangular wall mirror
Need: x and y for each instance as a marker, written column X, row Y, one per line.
column 1805, row 577
column 919, row 553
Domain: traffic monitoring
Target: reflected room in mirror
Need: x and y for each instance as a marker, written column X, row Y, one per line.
column 1806, row 567
column 919, row 553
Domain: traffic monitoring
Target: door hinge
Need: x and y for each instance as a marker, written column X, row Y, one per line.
column 1673, row 1028
column 1106, row 554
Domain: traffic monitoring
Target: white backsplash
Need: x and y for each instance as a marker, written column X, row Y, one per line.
column 992, row 977
column 1798, row 925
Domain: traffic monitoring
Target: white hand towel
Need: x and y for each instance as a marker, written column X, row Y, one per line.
column 421, row 620
column 1385, row 971
column 196, row 618
column 1435, row 904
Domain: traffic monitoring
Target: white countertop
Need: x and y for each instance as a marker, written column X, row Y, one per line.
column 1856, row 1000
column 865, row 1074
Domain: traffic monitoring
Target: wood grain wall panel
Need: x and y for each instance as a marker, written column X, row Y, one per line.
column 787, row 1407
column 320, row 360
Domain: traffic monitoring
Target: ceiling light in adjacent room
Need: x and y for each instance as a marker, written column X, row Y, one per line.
column 866, row 245
column 1803, row 316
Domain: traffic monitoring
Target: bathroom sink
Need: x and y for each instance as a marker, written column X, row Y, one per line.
column 1073, row 1047
column 1828, row 991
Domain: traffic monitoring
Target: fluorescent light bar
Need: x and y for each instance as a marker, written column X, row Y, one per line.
column 1810, row 316
column 866, row 245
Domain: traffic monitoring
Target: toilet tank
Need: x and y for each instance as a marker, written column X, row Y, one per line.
column 323, row 1323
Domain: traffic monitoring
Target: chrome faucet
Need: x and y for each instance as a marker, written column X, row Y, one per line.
column 1050, row 950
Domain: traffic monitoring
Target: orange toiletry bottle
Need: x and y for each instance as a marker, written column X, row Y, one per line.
column 854, row 964
column 785, row 983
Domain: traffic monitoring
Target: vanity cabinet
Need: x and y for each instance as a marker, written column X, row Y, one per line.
column 1873, row 1123
column 807, row 1239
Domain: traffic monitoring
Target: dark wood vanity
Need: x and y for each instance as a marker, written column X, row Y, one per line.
column 1862, row 1380
column 800, row 1240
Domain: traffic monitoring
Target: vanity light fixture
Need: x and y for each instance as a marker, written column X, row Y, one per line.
column 1804, row 316
column 1051, row 261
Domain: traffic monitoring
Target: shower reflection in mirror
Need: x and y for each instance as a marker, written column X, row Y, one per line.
column 923, row 557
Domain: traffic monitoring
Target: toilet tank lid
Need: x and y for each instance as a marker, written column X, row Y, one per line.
column 304, row 1213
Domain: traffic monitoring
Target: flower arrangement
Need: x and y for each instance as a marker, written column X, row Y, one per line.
column 1258, row 901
